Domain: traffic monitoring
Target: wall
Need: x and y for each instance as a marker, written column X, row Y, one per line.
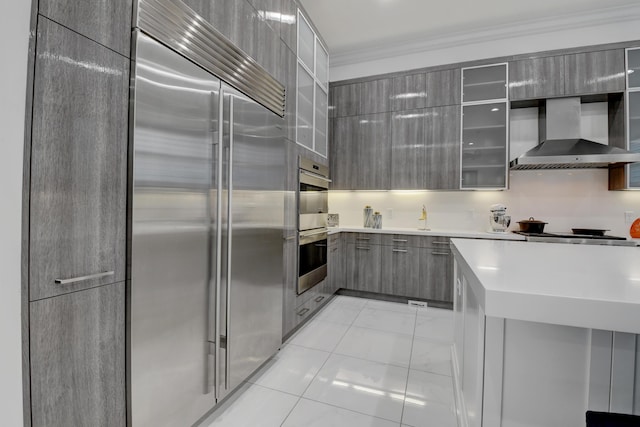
column 14, row 38
column 564, row 199
column 535, row 37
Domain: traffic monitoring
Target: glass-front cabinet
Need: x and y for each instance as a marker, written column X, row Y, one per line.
column 485, row 130
column 312, row 89
column 633, row 97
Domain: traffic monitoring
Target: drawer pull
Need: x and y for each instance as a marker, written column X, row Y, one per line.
column 404, row 251
column 83, row 278
column 440, row 253
column 319, row 299
column 363, row 248
column 302, row 312
column 400, row 240
column 440, row 243
column 363, row 238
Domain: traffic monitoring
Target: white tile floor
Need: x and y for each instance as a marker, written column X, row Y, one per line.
column 358, row 363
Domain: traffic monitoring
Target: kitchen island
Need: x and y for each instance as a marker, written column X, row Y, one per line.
column 544, row 332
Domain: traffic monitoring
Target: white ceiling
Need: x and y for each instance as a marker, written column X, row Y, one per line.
column 352, row 25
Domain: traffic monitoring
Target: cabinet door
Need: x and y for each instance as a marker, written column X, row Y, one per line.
column 437, row 274
column 484, row 146
column 290, row 300
column 364, row 267
column 400, row 271
column 375, row 96
column 634, row 137
column 371, row 154
column 536, row 78
column 334, row 264
column 345, row 136
column 442, row 136
column 78, row 163
column 595, row 72
column 346, row 99
column 484, row 83
column 443, row 88
column 408, row 150
column 78, row 358
column 106, row 21
column 409, row 92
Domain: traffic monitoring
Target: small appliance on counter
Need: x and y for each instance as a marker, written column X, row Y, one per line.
column 333, row 220
column 499, row 221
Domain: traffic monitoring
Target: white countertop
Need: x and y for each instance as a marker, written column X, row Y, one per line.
column 416, row 232
column 586, row 286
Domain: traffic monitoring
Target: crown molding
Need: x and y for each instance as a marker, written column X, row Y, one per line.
column 431, row 42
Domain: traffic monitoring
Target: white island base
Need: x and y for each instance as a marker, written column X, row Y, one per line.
column 513, row 368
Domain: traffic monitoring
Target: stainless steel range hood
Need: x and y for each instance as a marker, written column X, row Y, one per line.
column 561, row 146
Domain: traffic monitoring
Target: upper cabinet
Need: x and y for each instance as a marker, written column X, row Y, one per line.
column 633, row 96
column 485, row 115
column 567, row 75
column 536, row 78
column 312, row 89
column 484, row 83
column 594, row 72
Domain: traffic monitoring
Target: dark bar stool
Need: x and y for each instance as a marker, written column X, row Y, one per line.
column 609, row 419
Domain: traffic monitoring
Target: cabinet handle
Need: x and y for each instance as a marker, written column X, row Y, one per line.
column 404, row 251
column 319, row 299
column 302, row 312
column 362, row 247
column 83, row 278
column 400, row 240
column 440, row 243
column 363, row 238
column 440, row 253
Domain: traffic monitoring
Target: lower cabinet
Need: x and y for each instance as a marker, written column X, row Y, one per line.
column 77, row 358
column 407, row 266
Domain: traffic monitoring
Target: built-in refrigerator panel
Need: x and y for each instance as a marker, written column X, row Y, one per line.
column 175, row 127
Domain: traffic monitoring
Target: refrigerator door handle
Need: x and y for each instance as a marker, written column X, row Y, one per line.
column 229, row 243
column 215, row 120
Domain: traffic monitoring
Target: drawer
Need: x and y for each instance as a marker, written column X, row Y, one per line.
column 404, row 240
column 303, row 311
column 364, row 238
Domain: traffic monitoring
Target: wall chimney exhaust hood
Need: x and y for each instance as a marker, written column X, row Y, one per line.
column 561, row 146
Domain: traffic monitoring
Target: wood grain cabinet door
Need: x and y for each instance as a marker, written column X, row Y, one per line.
column 78, row 359
column 442, row 135
column 595, row 72
column 408, row 150
column 401, row 271
column 536, row 78
column 78, row 163
column 437, row 274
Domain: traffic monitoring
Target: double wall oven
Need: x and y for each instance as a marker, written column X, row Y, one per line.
column 313, row 206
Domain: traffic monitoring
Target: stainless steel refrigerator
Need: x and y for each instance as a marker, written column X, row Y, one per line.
column 207, row 214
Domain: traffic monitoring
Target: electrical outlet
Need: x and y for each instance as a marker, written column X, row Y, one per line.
column 629, row 217
column 389, row 213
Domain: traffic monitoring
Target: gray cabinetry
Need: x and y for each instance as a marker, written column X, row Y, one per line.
column 409, row 92
column 375, row 96
column 536, row 78
column 362, row 152
column 436, row 271
column 443, row 88
column 78, row 170
column 409, row 150
column 346, row 100
column 400, row 270
column 106, row 21
column 335, row 263
column 595, row 72
column 78, row 358
column 363, row 267
column 442, row 136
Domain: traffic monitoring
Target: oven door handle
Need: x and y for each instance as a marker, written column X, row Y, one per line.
column 306, row 238
column 315, row 175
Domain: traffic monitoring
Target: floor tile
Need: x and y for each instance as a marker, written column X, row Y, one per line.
column 429, row 414
column 385, row 320
column 436, row 327
column 308, row 413
column 255, row 406
column 291, row 370
column 367, row 387
column 378, row 346
column 434, row 312
column 425, row 386
column 391, row 306
column 343, row 314
column 320, row 335
column 431, row 356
